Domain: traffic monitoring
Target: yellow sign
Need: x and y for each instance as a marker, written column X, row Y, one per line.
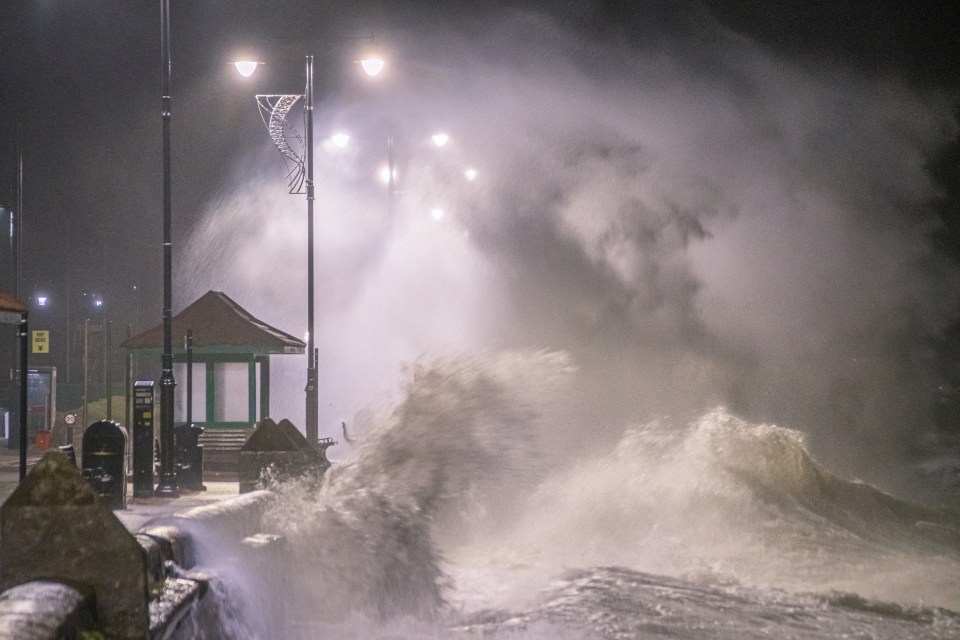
column 41, row 341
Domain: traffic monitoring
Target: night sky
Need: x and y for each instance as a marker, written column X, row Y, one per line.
column 84, row 79
column 81, row 81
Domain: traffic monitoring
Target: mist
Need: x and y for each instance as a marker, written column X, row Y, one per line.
column 695, row 220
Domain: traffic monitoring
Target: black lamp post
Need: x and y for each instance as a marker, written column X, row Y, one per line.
column 312, row 427
column 167, row 486
column 274, row 110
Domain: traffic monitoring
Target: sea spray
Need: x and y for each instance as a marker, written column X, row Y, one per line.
column 448, row 521
column 720, row 500
column 362, row 543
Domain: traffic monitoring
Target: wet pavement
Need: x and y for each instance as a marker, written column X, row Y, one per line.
column 139, row 510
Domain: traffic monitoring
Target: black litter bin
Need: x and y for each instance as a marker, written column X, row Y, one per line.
column 189, row 456
column 104, row 461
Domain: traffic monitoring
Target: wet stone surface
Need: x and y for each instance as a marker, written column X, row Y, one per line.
column 54, row 527
column 42, row 610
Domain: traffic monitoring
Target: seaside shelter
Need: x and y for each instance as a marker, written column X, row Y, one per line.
column 231, row 352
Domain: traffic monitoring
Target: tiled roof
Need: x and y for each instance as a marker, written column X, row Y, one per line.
column 218, row 322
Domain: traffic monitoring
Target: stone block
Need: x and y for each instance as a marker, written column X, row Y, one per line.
column 281, row 451
column 54, row 527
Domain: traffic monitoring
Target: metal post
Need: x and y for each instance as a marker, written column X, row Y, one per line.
column 69, row 332
column 24, row 373
column 128, row 394
column 312, row 430
column 167, row 486
column 127, row 381
column 189, row 345
column 107, row 369
column 19, row 212
column 86, row 369
column 390, row 185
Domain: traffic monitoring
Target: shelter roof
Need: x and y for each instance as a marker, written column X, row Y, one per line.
column 219, row 325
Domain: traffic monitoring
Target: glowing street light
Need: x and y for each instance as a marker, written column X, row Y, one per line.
column 470, row 174
column 440, row 139
column 340, row 139
column 246, row 67
column 372, row 65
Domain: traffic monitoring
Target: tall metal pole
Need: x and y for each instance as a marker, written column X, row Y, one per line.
column 312, row 430
column 188, row 342
column 391, row 187
column 86, row 369
column 127, row 388
column 107, row 369
column 19, row 212
column 167, row 486
column 24, row 375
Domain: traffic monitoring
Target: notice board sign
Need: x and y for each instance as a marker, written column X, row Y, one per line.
column 41, row 341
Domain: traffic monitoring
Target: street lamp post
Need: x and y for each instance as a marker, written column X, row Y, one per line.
column 167, row 486
column 277, row 107
column 312, row 426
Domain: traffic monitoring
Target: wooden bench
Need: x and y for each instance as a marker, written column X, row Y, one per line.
column 221, row 448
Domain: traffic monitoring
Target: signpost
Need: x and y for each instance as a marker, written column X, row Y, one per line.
column 70, row 420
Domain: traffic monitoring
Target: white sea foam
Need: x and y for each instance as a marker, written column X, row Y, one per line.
column 447, row 522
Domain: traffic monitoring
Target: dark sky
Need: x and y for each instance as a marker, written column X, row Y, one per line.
column 84, row 78
column 765, row 189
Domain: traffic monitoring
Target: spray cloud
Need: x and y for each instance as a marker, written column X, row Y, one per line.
column 695, row 221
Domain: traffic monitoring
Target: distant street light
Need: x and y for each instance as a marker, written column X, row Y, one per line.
column 274, row 109
column 386, row 175
column 340, row 139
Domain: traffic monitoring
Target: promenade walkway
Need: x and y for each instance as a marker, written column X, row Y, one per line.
column 139, row 510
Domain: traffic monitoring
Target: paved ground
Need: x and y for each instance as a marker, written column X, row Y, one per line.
column 138, row 511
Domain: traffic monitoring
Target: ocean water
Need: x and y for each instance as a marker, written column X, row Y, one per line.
column 449, row 520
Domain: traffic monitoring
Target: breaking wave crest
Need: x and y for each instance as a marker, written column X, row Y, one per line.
column 722, row 499
column 363, row 540
column 448, row 514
